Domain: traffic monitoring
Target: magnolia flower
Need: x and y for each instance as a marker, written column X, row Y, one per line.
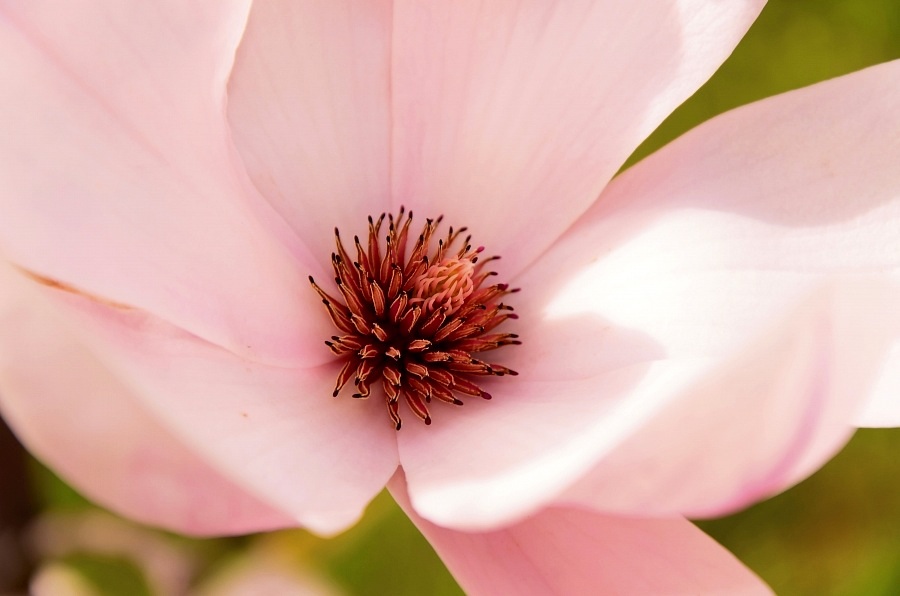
column 697, row 333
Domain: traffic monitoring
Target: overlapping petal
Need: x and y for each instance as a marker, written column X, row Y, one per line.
column 273, row 431
column 700, row 280
column 510, row 117
column 117, row 175
column 756, row 426
column 571, row 551
column 78, row 418
column 703, row 243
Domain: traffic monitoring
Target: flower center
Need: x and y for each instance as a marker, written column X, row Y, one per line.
column 410, row 323
column 446, row 285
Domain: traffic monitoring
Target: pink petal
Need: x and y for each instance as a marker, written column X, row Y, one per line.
column 308, row 106
column 568, row 551
column 77, row 416
column 274, row 431
column 698, row 281
column 117, row 175
column 510, row 117
column 711, row 240
column 760, row 203
column 754, row 206
column 759, row 423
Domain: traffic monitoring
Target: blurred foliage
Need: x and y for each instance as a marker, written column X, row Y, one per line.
column 109, row 575
column 835, row 533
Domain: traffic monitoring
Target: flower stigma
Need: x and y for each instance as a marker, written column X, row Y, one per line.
column 411, row 323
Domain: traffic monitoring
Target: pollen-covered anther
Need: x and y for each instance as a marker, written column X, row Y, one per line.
column 446, row 285
column 412, row 313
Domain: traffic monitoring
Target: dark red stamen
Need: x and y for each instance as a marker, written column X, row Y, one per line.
column 410, row 324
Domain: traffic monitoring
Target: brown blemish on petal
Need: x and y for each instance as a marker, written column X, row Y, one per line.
column 68, row 288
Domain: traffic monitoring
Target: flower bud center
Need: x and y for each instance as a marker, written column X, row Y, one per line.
column 446, row 285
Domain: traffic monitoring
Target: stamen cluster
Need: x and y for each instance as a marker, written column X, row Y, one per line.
column 411, row 324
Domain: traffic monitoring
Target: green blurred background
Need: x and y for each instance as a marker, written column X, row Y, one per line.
column 836, row 533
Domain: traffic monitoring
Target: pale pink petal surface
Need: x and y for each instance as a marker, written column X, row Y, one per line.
column 510, row 117
column 121, row 179
column 308, row 104
column 274, row 431
column 695, row 269
column 75, row 415
column 756, row 426
column 571, row 551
